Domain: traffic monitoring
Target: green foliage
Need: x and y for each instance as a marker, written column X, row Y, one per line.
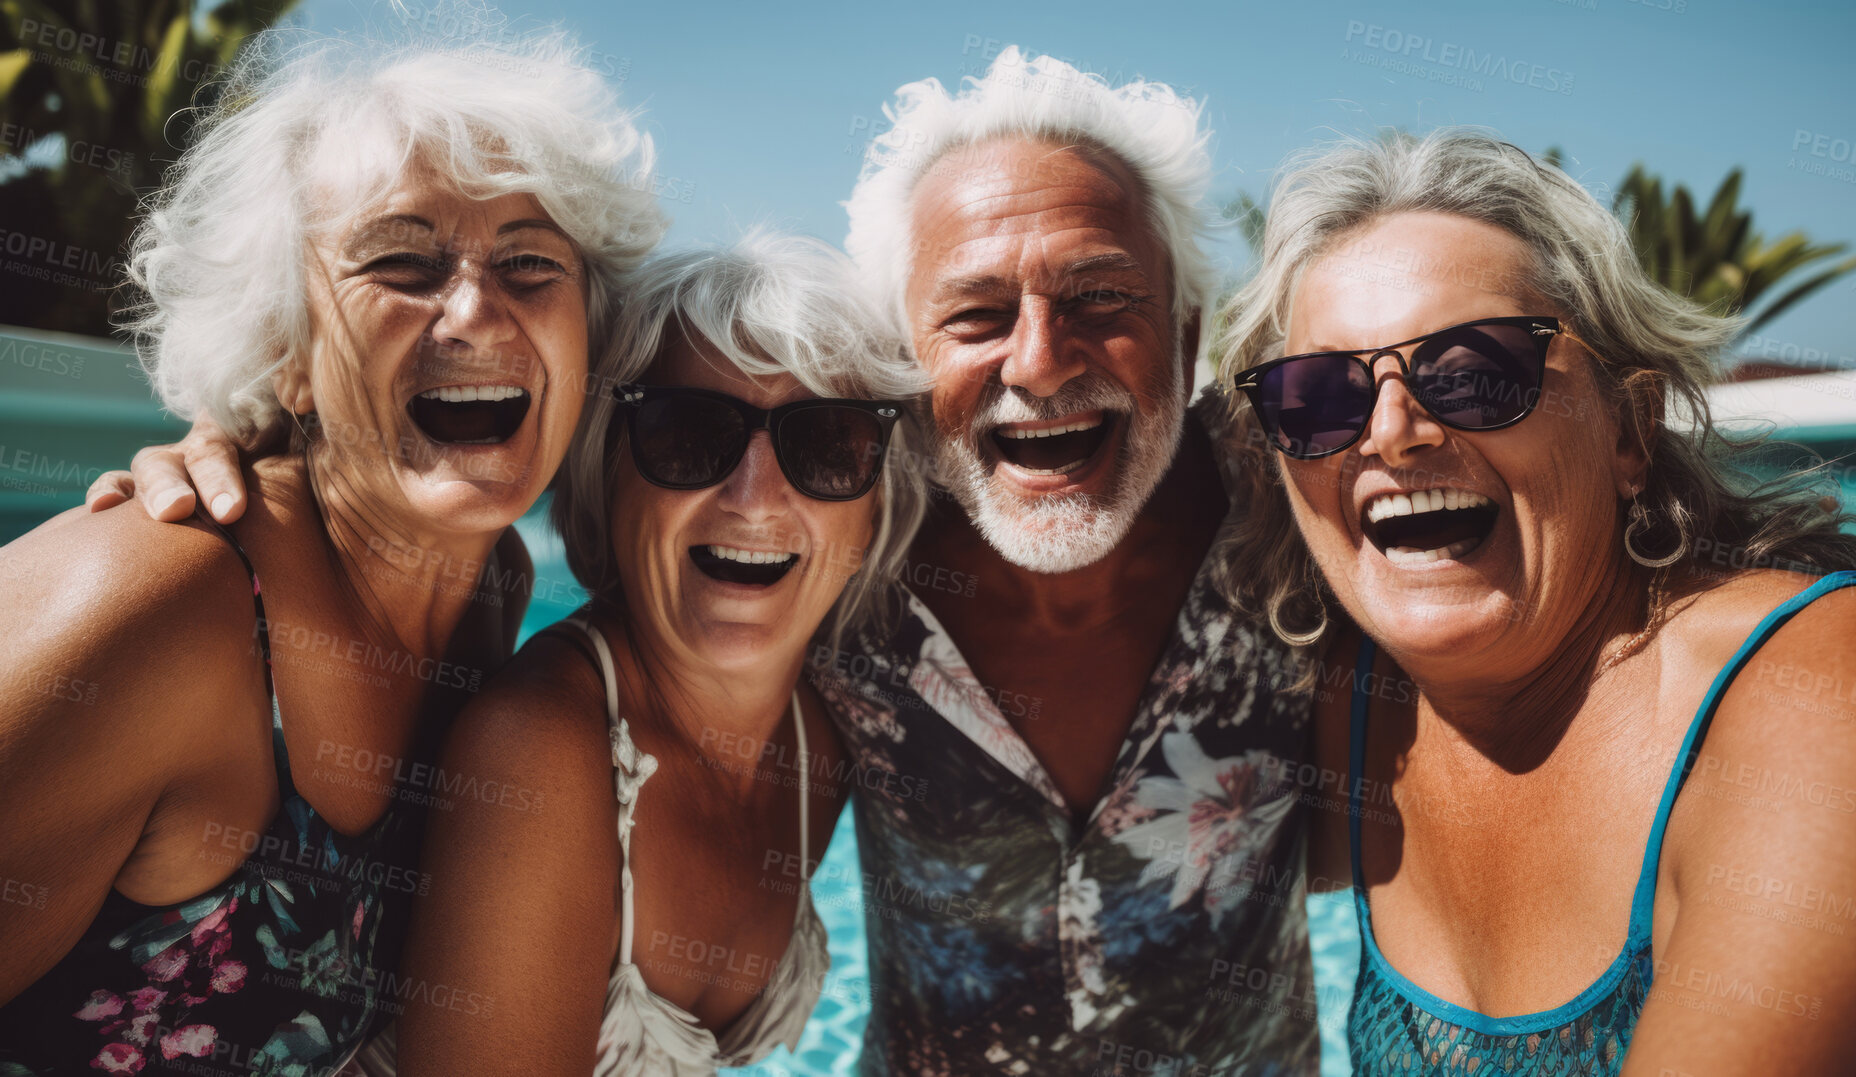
column 1714, row 257
column 96, row 97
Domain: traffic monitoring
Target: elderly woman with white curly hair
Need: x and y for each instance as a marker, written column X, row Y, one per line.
column 751, row 480
column 400, row 258
column 1595, row 750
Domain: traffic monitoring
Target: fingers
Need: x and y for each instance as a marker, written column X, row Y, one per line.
column 111, row 489
column 212, row 462
column 166, row 477
column 160, row 478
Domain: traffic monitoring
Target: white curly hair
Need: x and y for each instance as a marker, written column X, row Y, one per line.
column 1147, row 126
column 220, row 259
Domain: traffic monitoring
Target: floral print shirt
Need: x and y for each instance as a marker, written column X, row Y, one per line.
column 1165, row 936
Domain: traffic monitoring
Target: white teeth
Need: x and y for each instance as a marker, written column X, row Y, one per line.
column 1422, row 501
column 1049, row 432
column 1064, row 470
column 750, row 557
column 1406, row 555
column 458, row 394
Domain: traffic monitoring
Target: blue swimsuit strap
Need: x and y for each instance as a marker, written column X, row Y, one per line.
column 1643, row 898
column 1643, row 901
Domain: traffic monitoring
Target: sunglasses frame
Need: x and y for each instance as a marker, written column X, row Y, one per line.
column 1250, row 381
column 633, row 395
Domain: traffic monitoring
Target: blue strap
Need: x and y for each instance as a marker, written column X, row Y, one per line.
column 1643, row 900
column 1373, row 963
column 1356, row 761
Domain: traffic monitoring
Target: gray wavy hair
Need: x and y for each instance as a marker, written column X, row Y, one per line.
column 220, row 260
column 771, row 305
column 1654, row 354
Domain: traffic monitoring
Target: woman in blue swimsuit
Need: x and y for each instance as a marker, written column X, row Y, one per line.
column 216, row 742
column 1590, row 751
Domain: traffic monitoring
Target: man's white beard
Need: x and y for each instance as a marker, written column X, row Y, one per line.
column 1064, row 532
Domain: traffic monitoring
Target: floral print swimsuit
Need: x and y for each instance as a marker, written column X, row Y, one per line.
column 281, row 969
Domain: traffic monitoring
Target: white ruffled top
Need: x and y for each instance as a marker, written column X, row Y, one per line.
column 642, row 1033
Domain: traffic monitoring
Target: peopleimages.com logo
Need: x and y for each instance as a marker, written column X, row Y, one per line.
column 1417, row 54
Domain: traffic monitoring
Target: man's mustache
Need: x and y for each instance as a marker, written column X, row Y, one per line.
column 1003, row 405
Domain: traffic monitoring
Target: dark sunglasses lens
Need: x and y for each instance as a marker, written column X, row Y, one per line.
column 1316, row 405
column 832, row 452
column 686, row 441
column 1478, row 376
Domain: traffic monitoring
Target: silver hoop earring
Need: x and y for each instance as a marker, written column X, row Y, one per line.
column 1639, row 523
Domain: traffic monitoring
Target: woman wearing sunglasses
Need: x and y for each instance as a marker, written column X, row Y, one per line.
column 1594, row 728
column 745, row 483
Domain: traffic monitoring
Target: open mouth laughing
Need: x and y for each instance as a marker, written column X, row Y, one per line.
column 752, row 568
column 470, row 414
column 1053, row 448
column 1421, row 526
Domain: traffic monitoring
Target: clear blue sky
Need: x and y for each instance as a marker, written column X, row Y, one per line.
column 761, row 110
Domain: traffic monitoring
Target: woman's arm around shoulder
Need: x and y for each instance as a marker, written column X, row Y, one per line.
column 1758, row 974
column 511, row 946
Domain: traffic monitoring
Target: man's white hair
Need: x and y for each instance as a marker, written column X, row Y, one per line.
column 1147, row 126
column 221, row 259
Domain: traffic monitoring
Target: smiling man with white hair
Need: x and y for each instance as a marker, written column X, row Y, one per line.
column 1085, row 856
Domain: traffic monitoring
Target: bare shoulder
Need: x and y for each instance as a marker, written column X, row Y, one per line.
column 1761, row 846
column 1712, row 624
column 1792, row 694
column 548, row 682
column 139, row 610
column 129, row 647
column 1771, row 781
column 531, row 764
column 523, row 898
column 128, row 640
column 540, row 722
column 1820, row 634
column 122, row 562
column 1795, row 694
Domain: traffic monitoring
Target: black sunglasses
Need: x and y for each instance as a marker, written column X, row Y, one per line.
column 1480, row 375
column 689, row 439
